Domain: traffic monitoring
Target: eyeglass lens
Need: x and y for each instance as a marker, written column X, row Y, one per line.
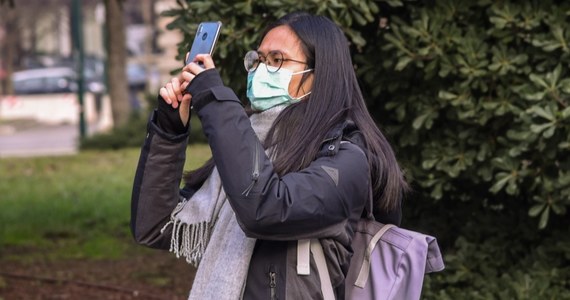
column 272, row 59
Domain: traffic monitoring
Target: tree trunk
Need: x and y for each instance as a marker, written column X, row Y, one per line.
column 116, row 61
column 147, row 14
column 10, row 48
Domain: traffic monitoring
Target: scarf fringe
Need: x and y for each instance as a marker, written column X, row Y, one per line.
column 187, row 240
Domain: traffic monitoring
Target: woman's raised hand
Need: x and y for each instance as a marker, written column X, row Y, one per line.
column 174, row 92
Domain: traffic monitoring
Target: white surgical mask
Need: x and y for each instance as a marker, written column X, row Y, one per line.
column 268, row 89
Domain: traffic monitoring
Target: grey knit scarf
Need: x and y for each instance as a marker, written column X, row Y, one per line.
column 206, row 232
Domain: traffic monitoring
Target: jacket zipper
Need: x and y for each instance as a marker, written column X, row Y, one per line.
column 255, row 173
column 273, row 285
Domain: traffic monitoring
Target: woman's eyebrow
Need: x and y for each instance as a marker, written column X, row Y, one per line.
column 285, row 53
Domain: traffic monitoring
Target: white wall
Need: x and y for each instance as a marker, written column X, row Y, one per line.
column 56, row 109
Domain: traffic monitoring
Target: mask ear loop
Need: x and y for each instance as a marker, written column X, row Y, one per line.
column 306, row 74
column 301, row 97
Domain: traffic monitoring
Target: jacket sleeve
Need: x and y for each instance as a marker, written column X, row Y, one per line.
column 156, row 188
column 317, row 202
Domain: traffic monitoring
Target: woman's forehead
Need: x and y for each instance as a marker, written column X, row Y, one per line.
column 281, row 38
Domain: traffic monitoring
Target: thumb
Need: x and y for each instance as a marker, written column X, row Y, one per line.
column 185, row 109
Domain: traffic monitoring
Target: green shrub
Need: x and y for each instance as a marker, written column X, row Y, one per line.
column 476, row 96
column 133, row 133
column 130, row 135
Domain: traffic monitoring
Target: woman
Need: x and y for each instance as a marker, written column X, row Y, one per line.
column 302, row 166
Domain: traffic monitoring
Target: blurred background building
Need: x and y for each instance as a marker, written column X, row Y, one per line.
column 38, row 62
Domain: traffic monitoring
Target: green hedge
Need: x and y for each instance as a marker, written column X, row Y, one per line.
column 132, row 134
column 474, row 97
column 483, row 92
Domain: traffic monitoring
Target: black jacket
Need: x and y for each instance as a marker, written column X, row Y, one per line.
column 322, row 201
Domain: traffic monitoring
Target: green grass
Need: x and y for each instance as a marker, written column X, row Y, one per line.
column 75, row 206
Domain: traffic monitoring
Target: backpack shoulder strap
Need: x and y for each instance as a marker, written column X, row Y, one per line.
column 365, row 268
column 323, row 270
column 304, row 248
column 303, row 257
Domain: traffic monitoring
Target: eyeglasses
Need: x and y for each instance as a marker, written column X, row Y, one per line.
column 273, row 59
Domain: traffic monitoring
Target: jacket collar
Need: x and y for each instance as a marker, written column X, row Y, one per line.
column 346, row 130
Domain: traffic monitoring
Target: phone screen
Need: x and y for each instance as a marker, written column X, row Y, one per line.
column 205, row 39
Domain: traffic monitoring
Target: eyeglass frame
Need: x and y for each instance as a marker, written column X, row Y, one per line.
column 259, row 61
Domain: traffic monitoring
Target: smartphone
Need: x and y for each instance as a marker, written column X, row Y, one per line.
column 205, row 39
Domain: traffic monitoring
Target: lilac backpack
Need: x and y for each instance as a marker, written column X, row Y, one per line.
column 389, row 262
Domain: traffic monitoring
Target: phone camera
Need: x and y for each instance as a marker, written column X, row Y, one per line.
column 204, row 36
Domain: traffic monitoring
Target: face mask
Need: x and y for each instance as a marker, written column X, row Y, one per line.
column 266, row 90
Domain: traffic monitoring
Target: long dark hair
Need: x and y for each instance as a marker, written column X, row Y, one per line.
column 335, row 97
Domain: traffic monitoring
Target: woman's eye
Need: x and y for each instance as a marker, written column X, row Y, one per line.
column 275, row 61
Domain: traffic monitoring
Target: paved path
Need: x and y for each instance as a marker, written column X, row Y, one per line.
column 46, row 140
column 52, row 123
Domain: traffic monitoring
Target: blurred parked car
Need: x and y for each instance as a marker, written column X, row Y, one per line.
column 51, row 80
column 93, row 72
column 44, row 81
column 62, row 78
